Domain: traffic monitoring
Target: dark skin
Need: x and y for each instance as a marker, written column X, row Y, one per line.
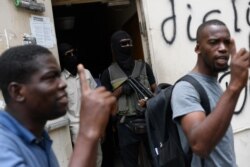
column 213, row 51
column 96, row 107
column 43, row 97
column 44, row 94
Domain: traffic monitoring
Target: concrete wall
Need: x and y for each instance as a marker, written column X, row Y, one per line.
column 16, row 22
column 171, row 26
column 62, row 145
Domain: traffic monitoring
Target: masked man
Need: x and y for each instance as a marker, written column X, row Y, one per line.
column 115, row 79
column 69, row 62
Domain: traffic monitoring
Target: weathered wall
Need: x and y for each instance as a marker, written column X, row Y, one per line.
column 16, row 21
column 172, row 24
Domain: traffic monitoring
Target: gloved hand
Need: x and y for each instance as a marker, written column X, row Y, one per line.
column 126, row 89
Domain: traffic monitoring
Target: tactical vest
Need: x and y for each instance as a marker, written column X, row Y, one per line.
column 128, row 105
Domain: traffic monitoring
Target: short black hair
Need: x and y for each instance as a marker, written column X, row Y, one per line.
column 17, row 64
column 205, row 24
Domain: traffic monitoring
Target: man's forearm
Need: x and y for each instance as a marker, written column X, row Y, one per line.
column 206, row 135
column 85, row 152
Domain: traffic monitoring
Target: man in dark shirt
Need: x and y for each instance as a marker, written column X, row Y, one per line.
column 129, row 104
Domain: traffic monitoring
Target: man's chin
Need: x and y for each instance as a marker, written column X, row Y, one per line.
column 58, row 114
column 222, row 69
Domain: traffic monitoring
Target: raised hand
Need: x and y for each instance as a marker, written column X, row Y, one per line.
column 96, row 107
column 240, row 62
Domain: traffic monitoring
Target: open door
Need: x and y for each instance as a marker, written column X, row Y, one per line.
column 143, row 30
column 88, row 25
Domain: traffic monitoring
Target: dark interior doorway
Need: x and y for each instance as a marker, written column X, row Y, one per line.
column 89, row 27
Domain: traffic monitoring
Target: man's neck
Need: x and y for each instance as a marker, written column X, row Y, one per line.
column 204, row 71
column 36, row 127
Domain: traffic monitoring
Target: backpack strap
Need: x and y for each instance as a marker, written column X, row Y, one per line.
column 141, row 66
column 204, row 103
column 199, row 88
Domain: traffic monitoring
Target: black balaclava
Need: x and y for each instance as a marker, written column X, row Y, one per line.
column 69, row 61
column 121, row 44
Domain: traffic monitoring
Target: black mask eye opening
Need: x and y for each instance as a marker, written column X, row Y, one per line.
column 126, row 43
column 70, row 53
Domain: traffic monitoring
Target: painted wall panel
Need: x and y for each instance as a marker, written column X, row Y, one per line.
column 16, row 21
column 172, row 33
column 171, row 27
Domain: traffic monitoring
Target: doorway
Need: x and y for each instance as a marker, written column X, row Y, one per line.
column 89, row 26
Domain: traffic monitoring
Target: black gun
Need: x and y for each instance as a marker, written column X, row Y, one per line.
column 140, row 89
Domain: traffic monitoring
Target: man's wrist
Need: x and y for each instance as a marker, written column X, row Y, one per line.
column 89, row 137
column 234, row 89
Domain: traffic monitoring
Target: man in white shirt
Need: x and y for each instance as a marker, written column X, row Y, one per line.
column 2, row 103
column 69, row 74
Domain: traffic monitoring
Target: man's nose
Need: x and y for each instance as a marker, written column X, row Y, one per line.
column 223, row 47
column 62, row 84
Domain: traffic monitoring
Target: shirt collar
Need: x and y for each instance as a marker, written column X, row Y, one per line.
column 10, row 123
column 67, row 74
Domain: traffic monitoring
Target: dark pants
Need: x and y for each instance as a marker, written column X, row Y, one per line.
column 130, row 143
column 108, row 147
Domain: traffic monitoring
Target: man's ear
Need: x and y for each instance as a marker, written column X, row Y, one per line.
column 197, row 48
column 16, row 91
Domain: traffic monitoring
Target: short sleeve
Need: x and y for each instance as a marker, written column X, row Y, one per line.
column 105, row 80
column 9, row 157
column 185, row 99
column 150, row 75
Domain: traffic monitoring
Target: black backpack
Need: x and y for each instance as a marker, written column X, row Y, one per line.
column 162, row 131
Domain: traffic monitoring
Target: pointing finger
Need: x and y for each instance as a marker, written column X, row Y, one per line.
column 84, row 84
column 233, row 48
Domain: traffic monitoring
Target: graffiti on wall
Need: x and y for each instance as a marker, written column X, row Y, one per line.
column 224, row 81
column 169, row 39
column 170, row 23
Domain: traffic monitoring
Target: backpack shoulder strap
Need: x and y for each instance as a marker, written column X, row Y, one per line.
column 199, row 88
column 204, row 102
